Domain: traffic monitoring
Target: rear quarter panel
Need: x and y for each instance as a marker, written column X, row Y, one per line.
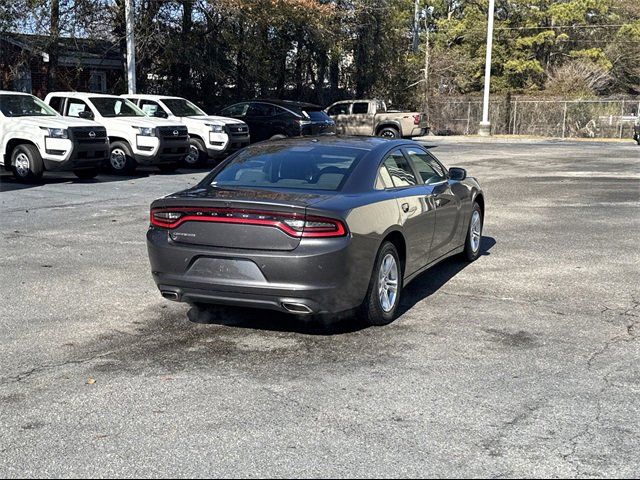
column 369, row 218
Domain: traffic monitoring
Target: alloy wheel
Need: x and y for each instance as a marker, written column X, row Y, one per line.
column 475, row 232
column 388, row 283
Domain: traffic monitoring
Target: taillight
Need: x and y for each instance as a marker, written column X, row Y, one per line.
column 293, row 224
column 416, row 119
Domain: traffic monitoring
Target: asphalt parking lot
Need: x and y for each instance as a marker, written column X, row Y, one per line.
column 524, row 363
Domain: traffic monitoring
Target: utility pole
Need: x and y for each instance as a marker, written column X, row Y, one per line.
column 485, row 125
column 425, row 14
column 416, row 25
column 427, row 53
column 52, row 51
column 131, row 47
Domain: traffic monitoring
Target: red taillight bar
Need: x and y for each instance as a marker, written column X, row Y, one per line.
column 333, row 228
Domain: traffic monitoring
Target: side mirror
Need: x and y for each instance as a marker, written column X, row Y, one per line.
column 458, row 174
column 160, row 114
column 86, row 114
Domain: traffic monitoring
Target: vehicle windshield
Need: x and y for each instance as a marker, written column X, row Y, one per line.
column 182, row 108
column 25, row 106
column 308, row 167
column 116, row 107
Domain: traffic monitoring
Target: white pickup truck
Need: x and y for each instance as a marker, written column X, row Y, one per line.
column 210, row 136
column 34, row 138
column 135, row 139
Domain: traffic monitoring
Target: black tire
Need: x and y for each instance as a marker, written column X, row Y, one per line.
column 471, row 248
column 168, row 167
column 389, row 132
column 199, row 159
column 125, row 163
column 371, row 310
column 27, row 164
column 86, row 173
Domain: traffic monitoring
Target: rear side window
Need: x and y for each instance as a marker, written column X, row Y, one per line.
column 237, row 110
column 261, row 110
column 293, row 167
column 360, row 107
column 398, row 169
column 340, row 109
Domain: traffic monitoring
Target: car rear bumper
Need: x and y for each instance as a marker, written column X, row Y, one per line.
column 319, row 276
column 418, row 131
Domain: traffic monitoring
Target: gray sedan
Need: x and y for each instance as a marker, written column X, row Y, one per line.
column 315, row 226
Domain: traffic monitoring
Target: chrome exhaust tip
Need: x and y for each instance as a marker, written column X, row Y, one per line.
column 170, row 295
column 297, row 308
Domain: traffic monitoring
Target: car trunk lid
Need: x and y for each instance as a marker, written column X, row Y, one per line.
column 236, row 218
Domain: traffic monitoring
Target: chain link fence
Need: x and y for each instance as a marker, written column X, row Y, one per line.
column 562, row 118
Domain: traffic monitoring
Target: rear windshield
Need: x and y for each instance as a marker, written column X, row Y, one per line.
column 316, row 115
column 310, row 112
column 24, row 106
column 316, row 167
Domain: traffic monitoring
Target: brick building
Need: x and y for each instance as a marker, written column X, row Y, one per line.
column 83, row 64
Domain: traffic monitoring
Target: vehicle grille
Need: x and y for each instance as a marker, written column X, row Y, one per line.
column 89, row 135
column 169, row 133
column 237, row 130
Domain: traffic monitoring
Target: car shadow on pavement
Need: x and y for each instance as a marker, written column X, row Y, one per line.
column 256, row 319
column 429, row 282
column 422, row 287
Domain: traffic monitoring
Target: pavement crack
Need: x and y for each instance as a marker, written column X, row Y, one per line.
column 628, row 335
column 51, row 366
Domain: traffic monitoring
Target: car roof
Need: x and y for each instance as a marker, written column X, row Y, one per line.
column 82, row 94
column 285, row 103
column 359, row 100
column 145, row 96
column 360, row 142
column 9, row 92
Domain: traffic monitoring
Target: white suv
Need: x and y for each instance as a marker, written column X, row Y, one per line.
column 34, row 138
column 210, row 136
column 135, row 138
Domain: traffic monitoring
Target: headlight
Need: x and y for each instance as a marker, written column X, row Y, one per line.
column 146, row 131
column 215, row 128
column 56, row 132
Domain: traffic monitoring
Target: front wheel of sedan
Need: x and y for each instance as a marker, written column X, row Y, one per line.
column 382, row 300
column 474, row 234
